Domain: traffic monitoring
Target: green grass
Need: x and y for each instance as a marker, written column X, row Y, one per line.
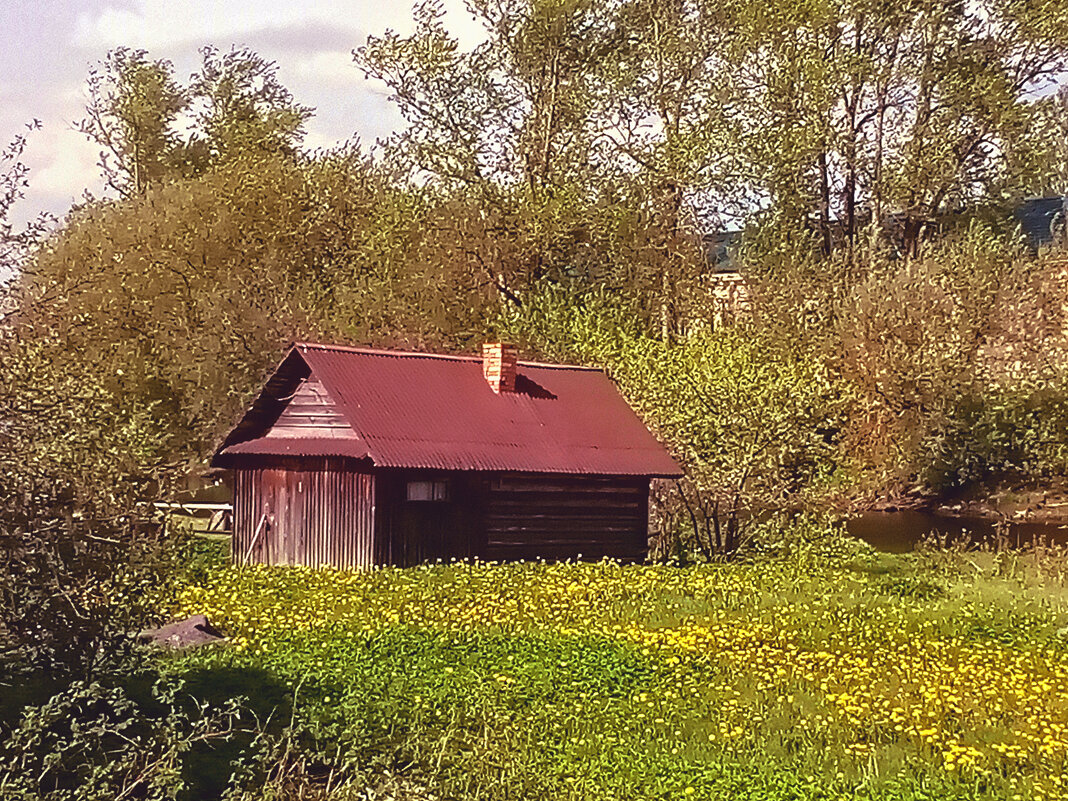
column 941, row 676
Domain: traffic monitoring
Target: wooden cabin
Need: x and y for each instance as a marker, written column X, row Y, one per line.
column 353, row 457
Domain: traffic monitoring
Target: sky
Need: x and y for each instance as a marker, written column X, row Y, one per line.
column 48, row 47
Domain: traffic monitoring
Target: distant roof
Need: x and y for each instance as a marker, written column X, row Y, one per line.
column 719, row 250
column 1040, row 217
column 421, row 410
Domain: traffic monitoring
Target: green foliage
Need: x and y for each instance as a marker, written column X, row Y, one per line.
column 1048, row 135
column 913, row 588
column 16, row 244
column 1002, row 433
column 79, row 570
column 239, row 110
column 948, row 359
column 854, row 112
column 514, row 133
column 946, row 369
column 245, row 111
column 133, row 106
column 596, row 681
column 553, row 185
column 94, row 742
column 162, row 312
column 152, row 320
column 513, row 109
column 752, row 424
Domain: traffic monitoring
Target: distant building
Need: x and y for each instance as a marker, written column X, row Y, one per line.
column 728, row 291
column 1042, row 220
column 352, row 457
column 719, row 250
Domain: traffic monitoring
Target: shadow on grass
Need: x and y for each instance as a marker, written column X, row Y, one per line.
column 267, row 706
column 206, row 769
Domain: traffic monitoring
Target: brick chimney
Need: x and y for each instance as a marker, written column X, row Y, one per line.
column 498, row 366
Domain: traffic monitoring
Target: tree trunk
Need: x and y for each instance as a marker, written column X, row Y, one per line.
column 825, row 204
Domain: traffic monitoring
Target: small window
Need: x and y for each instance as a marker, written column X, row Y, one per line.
column 428, row 490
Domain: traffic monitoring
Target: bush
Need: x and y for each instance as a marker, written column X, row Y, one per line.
column 92, row 741
column 752, row 424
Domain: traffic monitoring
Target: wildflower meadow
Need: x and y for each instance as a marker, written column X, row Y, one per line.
column 921, row 676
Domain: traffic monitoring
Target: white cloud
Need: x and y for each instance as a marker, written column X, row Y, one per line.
column 156, row 25
column 62, row 162
column 43, row 76
column 333, row 67
column 162, row 25
column 68, row 165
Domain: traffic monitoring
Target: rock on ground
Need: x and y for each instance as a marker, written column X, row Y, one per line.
column 192, row 632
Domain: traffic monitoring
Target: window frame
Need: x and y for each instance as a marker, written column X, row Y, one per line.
column 432, row 490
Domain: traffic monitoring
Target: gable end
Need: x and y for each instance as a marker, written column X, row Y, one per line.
column 311, row 413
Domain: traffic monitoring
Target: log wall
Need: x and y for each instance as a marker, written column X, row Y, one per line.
column 564, row 517
column 512, row 517
column 326, row 512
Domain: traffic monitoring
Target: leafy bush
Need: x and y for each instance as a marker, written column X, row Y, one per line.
column 1000, row 434
column 94, row 742
column 912, row 588
column 752, row 425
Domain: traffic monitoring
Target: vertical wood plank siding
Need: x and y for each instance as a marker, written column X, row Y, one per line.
column 412, row 532
column 321, row 512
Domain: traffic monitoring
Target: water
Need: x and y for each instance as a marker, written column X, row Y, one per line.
column 899, row 532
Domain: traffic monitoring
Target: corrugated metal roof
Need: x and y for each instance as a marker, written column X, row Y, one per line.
column 417, row 410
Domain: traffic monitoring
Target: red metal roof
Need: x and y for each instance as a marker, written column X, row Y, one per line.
column 418, row 410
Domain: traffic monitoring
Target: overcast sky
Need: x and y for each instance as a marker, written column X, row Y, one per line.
column 49, row 45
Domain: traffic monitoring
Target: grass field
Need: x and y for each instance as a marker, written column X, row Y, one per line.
column 937, row 676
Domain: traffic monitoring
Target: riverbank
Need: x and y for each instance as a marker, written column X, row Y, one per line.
column 1005, row 515
column 1038, row 502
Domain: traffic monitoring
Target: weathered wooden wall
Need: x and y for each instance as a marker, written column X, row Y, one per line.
column 325, row 512
column 311, row 413
column 412, row 532
column 562, row 517
column 320, row 512
column 513, row 517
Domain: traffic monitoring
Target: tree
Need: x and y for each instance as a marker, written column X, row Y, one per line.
column 856, row 111
column 1047, row 147
column 133, row 105
column 513, row 110
column 17, row 244
column 234, row 107
column 65, row 537
column 658, row 113
column 243, row 109
column 513, row 133
column 499, row 131
column 954, row 367
column 752, row 425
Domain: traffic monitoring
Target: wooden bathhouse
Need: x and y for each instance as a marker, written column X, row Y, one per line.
column 354, row 457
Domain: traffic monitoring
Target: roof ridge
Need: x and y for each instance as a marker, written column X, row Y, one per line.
column 408, row 354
